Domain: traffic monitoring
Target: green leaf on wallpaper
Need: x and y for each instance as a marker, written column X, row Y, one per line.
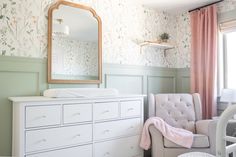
column 13, row 3
column 4, row 5
column 4, row 52
column 1, row 17
column 7, row 18
column 30, row 31
column 13, row 48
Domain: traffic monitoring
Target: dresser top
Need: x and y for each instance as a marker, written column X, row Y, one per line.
column 42, row 98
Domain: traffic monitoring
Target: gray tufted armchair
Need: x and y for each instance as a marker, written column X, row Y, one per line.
column 182, row 111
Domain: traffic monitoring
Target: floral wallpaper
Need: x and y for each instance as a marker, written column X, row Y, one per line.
column 183, row 40
column 23, row 30
column 66, row 54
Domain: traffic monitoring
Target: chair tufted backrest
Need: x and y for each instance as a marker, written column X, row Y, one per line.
column 178, row 110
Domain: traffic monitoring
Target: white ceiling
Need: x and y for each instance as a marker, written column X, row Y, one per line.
column 176, row 6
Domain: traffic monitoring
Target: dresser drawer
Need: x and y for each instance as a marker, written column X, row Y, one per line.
column 77, row 113
column 83, row 151
column 42, row 115
column 130, row 108
column 106, row 110
column 125, row 147
column 56, row 137
column 117, row 128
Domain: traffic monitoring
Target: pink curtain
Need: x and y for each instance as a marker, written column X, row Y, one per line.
column 204, row 57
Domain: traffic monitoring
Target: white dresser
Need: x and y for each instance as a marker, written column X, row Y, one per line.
column 56, row 127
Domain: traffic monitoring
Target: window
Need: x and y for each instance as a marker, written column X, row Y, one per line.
column 227, row 56
column 230, row 46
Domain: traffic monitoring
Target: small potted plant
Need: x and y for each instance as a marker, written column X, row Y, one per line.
column 164, row 37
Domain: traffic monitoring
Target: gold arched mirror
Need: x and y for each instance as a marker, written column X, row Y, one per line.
column 74, row 44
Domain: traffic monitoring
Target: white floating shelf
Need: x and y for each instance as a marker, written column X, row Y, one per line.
column 164, row 46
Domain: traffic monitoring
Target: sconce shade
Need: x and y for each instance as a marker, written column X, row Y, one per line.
column 60, row 29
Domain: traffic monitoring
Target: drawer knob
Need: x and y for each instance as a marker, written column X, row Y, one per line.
column 105, row 111
column 106, row 131
column 78, row 135
column 41, row 141
column 107, row 154
column 76, row 114
column 40, row 117
column 131, row 127
column 130, row 109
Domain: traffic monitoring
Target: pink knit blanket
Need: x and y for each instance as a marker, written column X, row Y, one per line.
column 177, row 135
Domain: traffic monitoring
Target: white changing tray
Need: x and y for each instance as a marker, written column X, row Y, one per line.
column 80, row 92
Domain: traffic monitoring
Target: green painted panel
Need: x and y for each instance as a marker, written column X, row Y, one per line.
column 183, row 80
column 126, row 84
column 185, row 84
column 132, row 70
column 18, row 77
column 13, row 84
column 161, row 84
column 24, row 65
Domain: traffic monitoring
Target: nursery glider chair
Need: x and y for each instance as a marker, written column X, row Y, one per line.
column 221, row 149
column 181, row 111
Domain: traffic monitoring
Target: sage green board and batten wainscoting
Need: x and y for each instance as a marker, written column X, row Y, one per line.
column 28, row 76
column 143, row 79
column 183, row 77
column 18, row 77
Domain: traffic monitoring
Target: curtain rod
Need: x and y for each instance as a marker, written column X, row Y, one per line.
column 205, row 6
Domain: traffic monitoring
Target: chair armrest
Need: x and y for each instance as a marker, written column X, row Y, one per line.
column 157, row 142
column 208, row 128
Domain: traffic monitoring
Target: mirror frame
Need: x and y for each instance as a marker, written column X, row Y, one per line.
column 50, row 20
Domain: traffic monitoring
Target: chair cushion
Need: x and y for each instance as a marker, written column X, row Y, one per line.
column 177, row 110
column 199, row 141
